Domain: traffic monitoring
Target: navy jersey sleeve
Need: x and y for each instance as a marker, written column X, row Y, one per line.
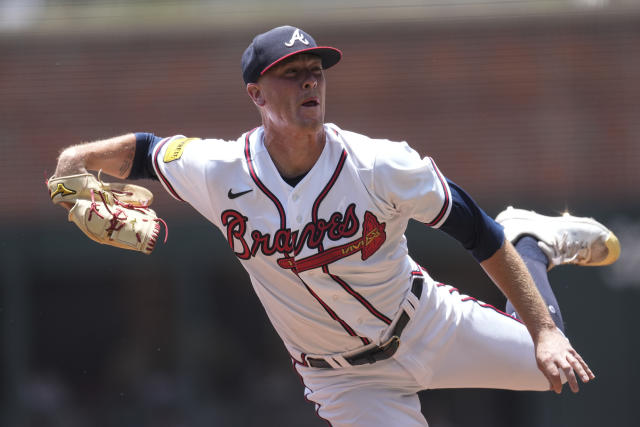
column 471, row 226
column 142, row 161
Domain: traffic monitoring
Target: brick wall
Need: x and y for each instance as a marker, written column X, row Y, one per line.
column 520, row 111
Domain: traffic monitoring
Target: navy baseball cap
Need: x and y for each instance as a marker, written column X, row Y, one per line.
column 268, row 49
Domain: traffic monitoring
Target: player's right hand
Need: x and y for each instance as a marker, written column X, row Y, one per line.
column 558, row 361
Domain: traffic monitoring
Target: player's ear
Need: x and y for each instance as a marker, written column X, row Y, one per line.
column 255, row 94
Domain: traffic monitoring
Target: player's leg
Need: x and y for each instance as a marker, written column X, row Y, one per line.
column 544, row 242
column 379, row 395
column 537, row 263
column 492, row 350
column 475, row 345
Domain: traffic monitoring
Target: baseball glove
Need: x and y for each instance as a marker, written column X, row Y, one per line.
column 114, row 214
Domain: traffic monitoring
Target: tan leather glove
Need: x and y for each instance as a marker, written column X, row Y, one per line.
column 115, row 214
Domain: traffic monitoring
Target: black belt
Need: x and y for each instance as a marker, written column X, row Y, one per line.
column 380, row 352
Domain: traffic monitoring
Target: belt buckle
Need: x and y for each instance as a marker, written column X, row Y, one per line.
column 390, row 347
column 385, row 350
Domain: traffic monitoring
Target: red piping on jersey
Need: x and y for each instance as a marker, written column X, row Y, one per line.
column 333, row 314
column 314, row 215
column 261, row 186
column 159, row 172
column 325, row 190
column 325, row 268
column 359, row 297
column 283, row 225
column 485, row 305
column 447, row 197
column 481, row 304
column 451, row 288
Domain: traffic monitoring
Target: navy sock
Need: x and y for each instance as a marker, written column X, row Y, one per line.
column 537, row 263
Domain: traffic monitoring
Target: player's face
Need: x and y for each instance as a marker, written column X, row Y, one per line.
column 293, row 93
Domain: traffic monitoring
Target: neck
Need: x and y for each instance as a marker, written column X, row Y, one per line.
column 294, row 152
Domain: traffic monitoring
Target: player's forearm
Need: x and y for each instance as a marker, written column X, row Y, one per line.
column 509, row 273
column 114, row 156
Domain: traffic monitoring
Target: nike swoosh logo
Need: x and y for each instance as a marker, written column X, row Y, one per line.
column 233, row 195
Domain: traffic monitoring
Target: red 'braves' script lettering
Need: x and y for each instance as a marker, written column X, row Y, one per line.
column 285, row 241
column 373, row 236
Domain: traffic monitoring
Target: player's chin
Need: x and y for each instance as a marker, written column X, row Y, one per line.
column 311, row 121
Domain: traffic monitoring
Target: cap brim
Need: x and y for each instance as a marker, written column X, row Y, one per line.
column 330, row 56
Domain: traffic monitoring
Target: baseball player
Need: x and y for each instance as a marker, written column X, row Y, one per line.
column 317, row 215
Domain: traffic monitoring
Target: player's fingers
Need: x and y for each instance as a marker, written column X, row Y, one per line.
column 579, row 371
column 588, row 374
column 552, row 372
column 580, row 368
column 568, row 370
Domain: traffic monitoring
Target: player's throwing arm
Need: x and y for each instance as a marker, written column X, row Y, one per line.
column 114, row 214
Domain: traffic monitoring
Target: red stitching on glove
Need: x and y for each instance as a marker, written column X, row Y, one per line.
column 166, row 228
column 93, row 207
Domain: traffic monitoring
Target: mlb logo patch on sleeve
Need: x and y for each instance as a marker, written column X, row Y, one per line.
column 175, row 149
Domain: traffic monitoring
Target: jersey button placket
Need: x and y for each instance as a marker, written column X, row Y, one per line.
column 294, row 199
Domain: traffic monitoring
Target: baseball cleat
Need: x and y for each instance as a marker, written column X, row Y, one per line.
column 564, row 239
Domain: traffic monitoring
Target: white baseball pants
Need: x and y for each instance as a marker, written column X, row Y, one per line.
column 452, row 341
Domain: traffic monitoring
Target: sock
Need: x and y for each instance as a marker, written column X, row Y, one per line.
column 537, row 263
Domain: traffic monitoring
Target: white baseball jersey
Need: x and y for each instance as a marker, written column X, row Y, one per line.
column 327, row 258
column 329, row 262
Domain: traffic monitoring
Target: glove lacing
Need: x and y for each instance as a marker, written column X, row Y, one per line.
column 118, row 219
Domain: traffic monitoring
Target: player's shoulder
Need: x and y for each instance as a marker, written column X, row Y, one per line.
column 370, row 150
column 179, row 148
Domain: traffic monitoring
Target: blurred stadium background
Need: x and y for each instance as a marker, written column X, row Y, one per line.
column 535, row 103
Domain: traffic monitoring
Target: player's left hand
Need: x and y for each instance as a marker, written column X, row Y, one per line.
column 558, row 361
column 114, row 214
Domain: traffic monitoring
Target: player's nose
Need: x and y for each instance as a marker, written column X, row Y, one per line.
column 310, row 84
column 310, row 81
